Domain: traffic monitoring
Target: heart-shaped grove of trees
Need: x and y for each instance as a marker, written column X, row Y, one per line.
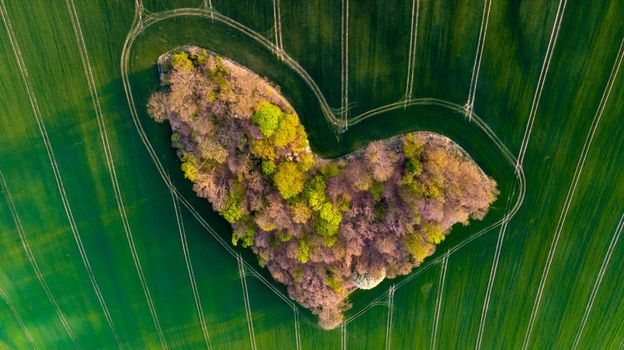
column 323, row 227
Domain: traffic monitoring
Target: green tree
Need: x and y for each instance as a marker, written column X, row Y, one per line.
column 329, row 220
column 412, row 148
column 232, row 212
column 267, row 118
column 314, row 192
column 303, row 255
column 244, row 231
column 329, row 215
column 268, row 167
column 376, row 190
column 284, row 236
column 330, row 170
column 219, row 75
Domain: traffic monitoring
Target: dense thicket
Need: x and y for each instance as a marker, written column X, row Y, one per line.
column 322, row 227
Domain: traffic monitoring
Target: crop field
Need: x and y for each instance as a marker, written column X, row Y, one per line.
column 104, row 244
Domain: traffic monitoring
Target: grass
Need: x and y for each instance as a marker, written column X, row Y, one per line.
column 526, row 305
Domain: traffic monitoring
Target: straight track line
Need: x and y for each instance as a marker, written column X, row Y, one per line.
column 412, row 50
column 31, row 257
column 596, row 288
column 84, row 55
column 250, row 328
column 277, row 25
column 441, row 282
column 571, row 191
column 474, row 79
column 275, row 28
column 491, row 279
column 208, row 6
column 345, row 61
column 343, row 336
column 191, row 273
column 552, row 43
column 297, row 328
column 391, row 291
column 18, row 318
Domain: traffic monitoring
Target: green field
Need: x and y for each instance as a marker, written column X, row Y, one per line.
column 104, row 244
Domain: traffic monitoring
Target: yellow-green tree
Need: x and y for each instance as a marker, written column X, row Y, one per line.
column 289, row 179
column 434, row 233
column 286, row 131
column 189, row 167
column 182, row 62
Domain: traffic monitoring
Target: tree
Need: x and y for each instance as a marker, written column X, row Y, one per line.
column 268, row 167
column 381, row 160
column 232, row 212
column 434, row 233
column 314, row 192
column 303, row 254
column 286, row 132
column 333, row 282
column 376, row 190
column 189, row 167
column 412, row 147
column 289, row 179
column 181, row 61
column 157, row 106
column 329, row 220
column 417, row 246
column 263, row 149
column 209, row 149
column 267, row 118
column 244, row 232
column 300, row 212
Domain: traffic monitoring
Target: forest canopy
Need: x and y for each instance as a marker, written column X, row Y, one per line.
column 323, row 227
